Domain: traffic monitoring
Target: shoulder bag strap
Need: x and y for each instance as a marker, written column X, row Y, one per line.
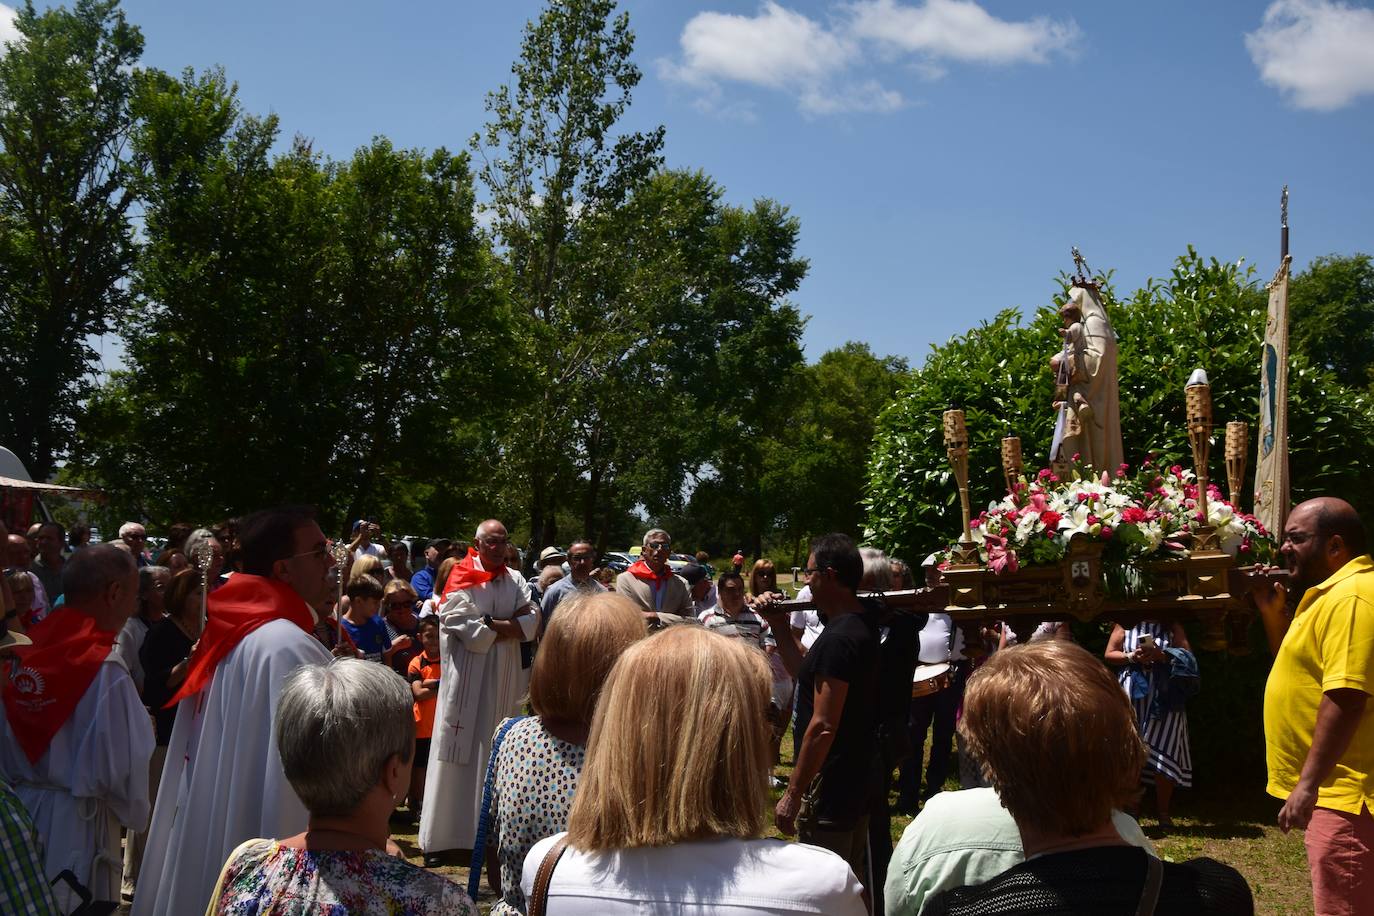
column 539, row 896
column 479, row 845
column 1154, row 878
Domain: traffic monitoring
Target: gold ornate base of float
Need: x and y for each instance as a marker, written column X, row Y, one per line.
column 1207, row 586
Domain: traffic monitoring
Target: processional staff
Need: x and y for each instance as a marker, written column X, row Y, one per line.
column 204, row 555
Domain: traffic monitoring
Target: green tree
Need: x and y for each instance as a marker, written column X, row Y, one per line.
column 306, row 326
column 1331, row 317
column 553, row 166
column 65, row 240
column 1205, row 314
column 813, row 476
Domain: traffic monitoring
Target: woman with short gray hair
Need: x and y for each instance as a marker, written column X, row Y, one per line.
column 346, row 736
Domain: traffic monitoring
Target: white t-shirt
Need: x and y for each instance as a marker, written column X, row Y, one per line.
column 809, row 622
column 734, row 877
column 369, row 550
column 935, row 646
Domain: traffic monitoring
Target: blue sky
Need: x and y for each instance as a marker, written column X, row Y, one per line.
column 942, row 155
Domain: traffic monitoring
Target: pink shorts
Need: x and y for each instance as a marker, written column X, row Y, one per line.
column 1340, row 855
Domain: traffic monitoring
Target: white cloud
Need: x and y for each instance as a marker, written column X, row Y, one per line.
column 1318, row 53
column 815, row 62
column 8, row 32
column 773, row 49
column 961, row 30
column 868, row 96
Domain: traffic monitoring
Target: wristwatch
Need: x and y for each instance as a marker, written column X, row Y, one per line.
column 487, row 618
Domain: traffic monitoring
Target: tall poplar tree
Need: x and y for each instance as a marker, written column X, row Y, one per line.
column 65, row 240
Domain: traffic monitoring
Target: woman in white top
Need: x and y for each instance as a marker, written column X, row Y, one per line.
column 670, row 809
column 534, row 778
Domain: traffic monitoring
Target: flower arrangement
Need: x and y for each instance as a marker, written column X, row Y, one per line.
column 1142, row 516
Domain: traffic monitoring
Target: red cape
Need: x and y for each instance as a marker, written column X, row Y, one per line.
column 640, row 570
column 236, row 609
column 54, row 674
column 466, row 574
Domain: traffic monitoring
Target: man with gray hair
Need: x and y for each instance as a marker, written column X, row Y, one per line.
column 486, row 613
column 135, row 537
column 650, row 583
column 76, row 739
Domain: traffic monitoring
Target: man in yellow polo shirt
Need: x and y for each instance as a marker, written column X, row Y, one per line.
column 1318, row 723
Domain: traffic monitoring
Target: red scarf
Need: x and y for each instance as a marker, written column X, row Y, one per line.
column 54, row 674
column 465, row 574
column 640, row 570
column 235, row 609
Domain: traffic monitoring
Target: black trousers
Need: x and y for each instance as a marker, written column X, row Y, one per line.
column 933, row 713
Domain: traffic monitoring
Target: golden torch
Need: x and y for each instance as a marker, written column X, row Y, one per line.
column 956, row 446
column 1198, row 395
column 1011, row 461
column 1237, row 444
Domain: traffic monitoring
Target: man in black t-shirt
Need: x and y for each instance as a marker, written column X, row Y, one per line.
column 827, row 799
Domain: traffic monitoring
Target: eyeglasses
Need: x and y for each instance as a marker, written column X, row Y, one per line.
column 812, row 570
column 656, row 546
column 494, row 542
column 581, row 558
column 318, row 553
column 402, row 603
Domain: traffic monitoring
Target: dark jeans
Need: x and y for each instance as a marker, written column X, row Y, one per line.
column 939, row 710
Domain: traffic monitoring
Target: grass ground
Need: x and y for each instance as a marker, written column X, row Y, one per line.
column 1237, row 828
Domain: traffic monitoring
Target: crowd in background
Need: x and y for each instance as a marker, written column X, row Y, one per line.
column 657, row 747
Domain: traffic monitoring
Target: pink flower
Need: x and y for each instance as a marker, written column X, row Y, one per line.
column 1177, row 471
column 1050, row 519
column 1045, row 474
column 1000, row 559
column 1133, row 515
column 1075, row 456
column 1106, row 531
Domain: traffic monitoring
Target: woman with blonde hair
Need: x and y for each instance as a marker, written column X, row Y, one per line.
column 763, row 578
column 535, row 770
column 672, row 803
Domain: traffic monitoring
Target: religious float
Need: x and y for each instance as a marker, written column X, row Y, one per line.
column 1089, row 539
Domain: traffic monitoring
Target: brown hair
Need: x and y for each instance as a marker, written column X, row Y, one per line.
column 183, row 593
column 581, row 643
column 1055, row 734
column 761, row 568
column 679, row 747
column 441, row 576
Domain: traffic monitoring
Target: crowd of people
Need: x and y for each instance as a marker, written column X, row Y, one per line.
column 233, row 725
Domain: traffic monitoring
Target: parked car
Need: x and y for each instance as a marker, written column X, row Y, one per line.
column 676, row 561
column 617, row 561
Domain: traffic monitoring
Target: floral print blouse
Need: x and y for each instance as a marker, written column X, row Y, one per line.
column 265, row 878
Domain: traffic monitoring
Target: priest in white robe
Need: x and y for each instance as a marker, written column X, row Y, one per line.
column 223, row 782
column 76, row 739
column 486, row 614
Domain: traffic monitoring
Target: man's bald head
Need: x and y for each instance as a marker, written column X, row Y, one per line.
column 1334, row 517
column 1319, row 538
column 490, row 527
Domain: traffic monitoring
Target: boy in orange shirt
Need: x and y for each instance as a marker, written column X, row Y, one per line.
column 423, row 675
